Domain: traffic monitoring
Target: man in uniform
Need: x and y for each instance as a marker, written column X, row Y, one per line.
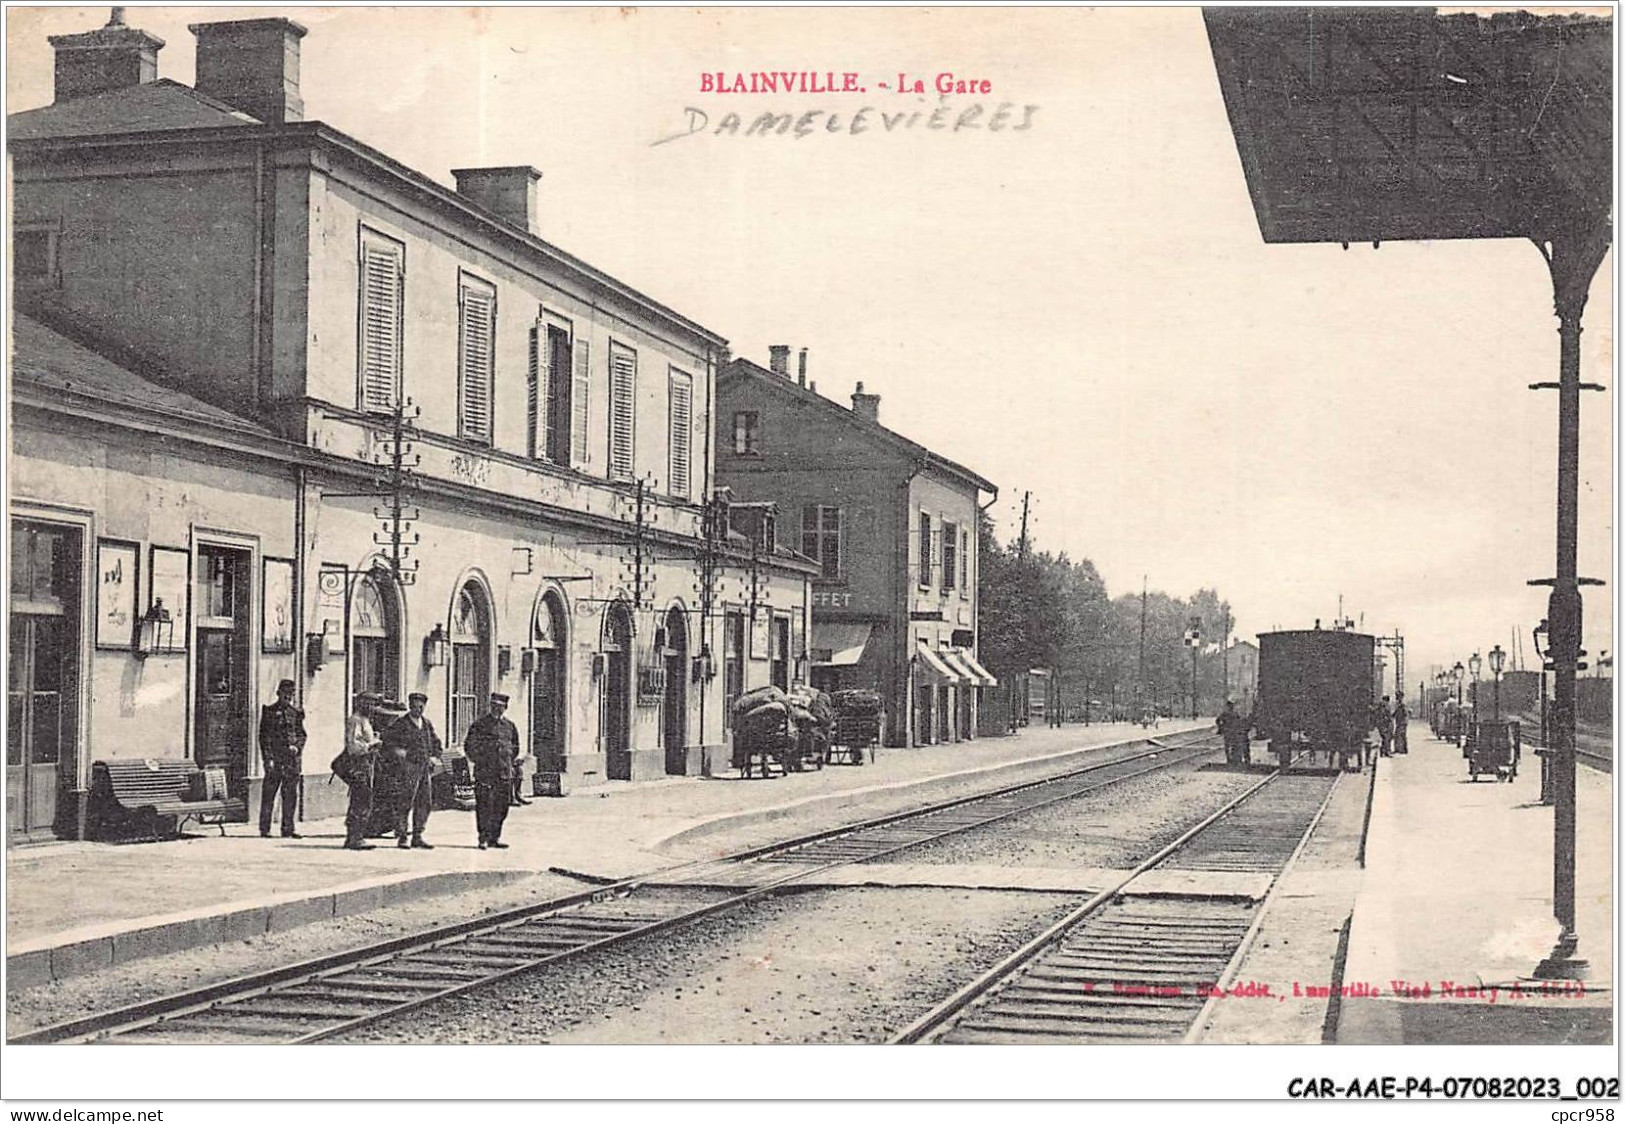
column 1402, row 718
column 1233, row 728
column 282, row 745
column 1385, row 727
column 412, row 750
column 360, row 763
column 492, row 745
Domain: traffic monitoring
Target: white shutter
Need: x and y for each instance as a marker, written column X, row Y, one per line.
column 380, row 327
column 477, row 340
column 547, row 390
column 578, row 404
column 623, row 380
column 682, row 432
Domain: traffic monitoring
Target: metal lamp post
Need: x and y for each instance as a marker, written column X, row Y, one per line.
column 1475, row 664
column 1498, row 660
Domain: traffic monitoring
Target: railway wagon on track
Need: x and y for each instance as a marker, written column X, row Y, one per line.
column 1315, row 694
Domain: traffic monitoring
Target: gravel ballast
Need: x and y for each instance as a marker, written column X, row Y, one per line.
column 822, row 966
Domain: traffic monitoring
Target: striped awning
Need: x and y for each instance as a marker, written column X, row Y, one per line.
column 933, row 669
column 979, row 674
column 950, row 656
column 839, row 643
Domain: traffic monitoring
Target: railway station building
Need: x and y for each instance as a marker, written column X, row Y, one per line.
column 286, row 408
column 892, row 527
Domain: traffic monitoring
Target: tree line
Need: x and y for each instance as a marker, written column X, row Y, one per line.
column 1043, row 610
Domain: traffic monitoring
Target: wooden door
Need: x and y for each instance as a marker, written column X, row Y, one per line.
column 220, row 717
column 42, row 686
column 618, row 715
column 37, row 726
column 547, row 711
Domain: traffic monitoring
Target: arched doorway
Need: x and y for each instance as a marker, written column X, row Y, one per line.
column 375, row 638
column 616, row 700
column 547, row 686
column 470, row 659
column 674, row 701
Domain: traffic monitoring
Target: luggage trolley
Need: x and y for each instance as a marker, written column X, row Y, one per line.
column 1494, row 749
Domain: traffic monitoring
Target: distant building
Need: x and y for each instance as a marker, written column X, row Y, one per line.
column 1240, row 663
column 892, row 527
column 232, row 321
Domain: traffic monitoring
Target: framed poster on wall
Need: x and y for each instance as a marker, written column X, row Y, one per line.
column 761, row 634
column 169, row 581
column 277, row 615
column 118, row 580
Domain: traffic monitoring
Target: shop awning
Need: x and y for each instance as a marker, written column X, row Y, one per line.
column 932, row 668
column 950, row 656
column 979, row 674
column 839, row 643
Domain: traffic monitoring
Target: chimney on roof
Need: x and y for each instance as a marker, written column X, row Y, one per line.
column 508, row 192
column 112, row 57
column 801, row 372
column 252, row 66
column 778, row 360
column 866, row 406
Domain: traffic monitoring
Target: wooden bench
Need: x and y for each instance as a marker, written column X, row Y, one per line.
column 148, row 799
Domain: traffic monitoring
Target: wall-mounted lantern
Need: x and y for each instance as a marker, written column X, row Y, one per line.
column 315, row 651
column 155, row 632
column 434, row 647
column 705, row 667
column 504, row 660
column 527, row 662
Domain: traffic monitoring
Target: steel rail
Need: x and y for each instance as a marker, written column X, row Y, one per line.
column 1233, row 968
column 252, row 985
column 938, row 1016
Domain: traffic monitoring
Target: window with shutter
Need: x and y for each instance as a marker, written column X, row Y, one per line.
column 925, row 550
column 950, row 560
column 582, row 384
column 964, row 563
column 821, row 537
column 381, row 289
column 682, row 431
column 536, row 392
column 556, row 403
column 476, row 344
column 623, row 384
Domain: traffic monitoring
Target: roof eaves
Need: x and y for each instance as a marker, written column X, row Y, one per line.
column 746, row 368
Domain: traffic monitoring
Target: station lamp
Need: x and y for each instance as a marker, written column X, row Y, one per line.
column 1498, row 660
column 434, row 647
column 1475, row 664
column 155, row 632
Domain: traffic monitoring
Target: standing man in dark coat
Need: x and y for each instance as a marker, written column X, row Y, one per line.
column 1385, row 727
column 492, row 745
column 1402, row 721
column 413, row 750
column 282, row 747
column 1233, row 726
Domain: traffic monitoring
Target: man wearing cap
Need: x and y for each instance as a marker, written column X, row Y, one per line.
column 412, row 749
column 1233, row 727
column 360, row 764
column 492, row 745
column 282, row 744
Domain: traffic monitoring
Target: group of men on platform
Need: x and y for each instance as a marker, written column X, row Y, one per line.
column 389, row 761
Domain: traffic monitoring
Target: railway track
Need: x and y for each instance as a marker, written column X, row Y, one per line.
column 332, row 995
column 1131, row 968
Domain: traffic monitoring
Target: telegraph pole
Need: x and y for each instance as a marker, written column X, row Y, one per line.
column 1139, row 686
column 1026, row 497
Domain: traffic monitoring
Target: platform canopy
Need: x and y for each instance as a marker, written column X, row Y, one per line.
column 1376, row 124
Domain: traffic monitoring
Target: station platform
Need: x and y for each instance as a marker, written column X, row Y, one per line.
column 77, row 907
column 1454, row 908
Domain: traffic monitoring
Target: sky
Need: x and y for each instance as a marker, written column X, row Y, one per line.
column 1082, row 309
